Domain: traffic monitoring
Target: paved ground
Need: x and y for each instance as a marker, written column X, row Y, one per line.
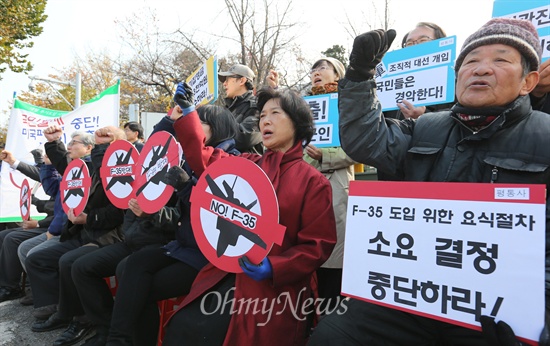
column 15, row 327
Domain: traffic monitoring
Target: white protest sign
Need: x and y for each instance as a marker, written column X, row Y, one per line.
column 449, row 251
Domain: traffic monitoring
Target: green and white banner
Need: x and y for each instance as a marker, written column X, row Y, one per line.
column 25, row 134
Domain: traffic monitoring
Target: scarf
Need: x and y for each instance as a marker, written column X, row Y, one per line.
column 477, row 119
column 328, row 88
column 275, row 163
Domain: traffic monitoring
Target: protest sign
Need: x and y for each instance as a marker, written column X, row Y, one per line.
column 536, row 11
column 204, row 82
column 422, row 74
column 234, row 212
column 449, row 251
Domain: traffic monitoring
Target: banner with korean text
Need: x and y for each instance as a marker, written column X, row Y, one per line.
column 324, row 108
column 449, row 251
column 25, row 134
column 536, row 11
column 422, row 74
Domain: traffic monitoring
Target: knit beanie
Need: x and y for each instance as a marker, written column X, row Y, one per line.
column 338, row 66
column 517, row 33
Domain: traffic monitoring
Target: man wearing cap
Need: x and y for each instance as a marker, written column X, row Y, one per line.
column 241, row 101
column 490, row 135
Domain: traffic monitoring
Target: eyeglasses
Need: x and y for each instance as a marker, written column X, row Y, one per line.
column 71, row 143
column 420, row 40
column 320, row 69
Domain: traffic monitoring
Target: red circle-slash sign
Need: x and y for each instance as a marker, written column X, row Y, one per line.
column 25, row 200
column 118, row 172
column 159, row 153
column 75, row 187
column 234, row 212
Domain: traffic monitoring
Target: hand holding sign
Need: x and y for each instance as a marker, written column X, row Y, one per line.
column 498, row 334
column 79, row 219
column 184, row 98
column 409, row 110
column 133, row 205
column 258, row 272
column 53, row 132
column 30, row 224
column 176, row 177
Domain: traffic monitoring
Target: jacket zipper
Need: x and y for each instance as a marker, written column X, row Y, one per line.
column 494, row 175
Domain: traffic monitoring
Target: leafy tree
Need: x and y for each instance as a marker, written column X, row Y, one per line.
column 20, row 20
column 337, row 52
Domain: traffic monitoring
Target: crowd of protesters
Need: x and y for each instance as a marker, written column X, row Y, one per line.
column 499, row 109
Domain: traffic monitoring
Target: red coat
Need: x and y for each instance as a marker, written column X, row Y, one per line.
column 305, row 208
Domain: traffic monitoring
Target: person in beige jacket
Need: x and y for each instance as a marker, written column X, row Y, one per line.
column 337, row 167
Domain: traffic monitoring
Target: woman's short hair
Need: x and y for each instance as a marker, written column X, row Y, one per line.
column 136, row 127
column 222, row 123
column 295, row 106
column 85, row 138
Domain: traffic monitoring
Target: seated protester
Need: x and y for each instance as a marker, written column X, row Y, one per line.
column 423, row 32
column 141, row 231
column 305, row 209
column 50, row 179
column 10, row 266
column 496, row 69
column 134, row 134
column 155, row 274
column 241, row 101
column 98, row 225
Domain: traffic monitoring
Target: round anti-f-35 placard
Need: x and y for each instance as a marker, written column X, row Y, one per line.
column 118, row 172
column 75, row 187
column 234, row 212
column 25, row 200
column 159, row 153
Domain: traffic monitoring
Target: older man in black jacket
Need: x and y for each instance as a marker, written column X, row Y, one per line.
column 491, row 135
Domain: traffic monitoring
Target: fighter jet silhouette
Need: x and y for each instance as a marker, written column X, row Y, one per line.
column 158, row 153
column 121, row 160
column 77, row 192
column 229, row 232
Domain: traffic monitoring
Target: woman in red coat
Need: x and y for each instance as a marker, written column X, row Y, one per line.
column 280, row 285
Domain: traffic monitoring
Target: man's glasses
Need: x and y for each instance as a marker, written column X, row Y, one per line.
column 71, row 143
column 420, row 40
column 319, row 69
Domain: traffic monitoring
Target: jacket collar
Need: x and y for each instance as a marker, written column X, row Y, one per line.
column 232, row 102
column 516, row 111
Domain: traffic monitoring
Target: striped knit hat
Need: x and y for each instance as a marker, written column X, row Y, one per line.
column 517, row 33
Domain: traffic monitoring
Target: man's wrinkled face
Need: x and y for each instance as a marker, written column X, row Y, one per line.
column 491, row 75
